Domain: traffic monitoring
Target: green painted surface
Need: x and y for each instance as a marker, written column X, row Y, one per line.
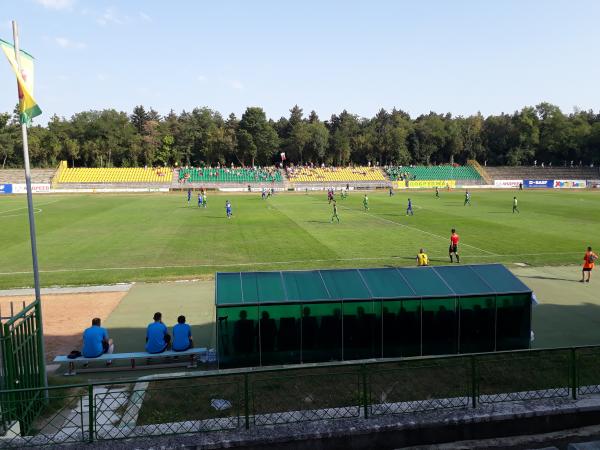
column 568, row 313
column 195, row 300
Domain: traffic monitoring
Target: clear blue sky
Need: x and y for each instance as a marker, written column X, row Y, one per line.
column 446, row 56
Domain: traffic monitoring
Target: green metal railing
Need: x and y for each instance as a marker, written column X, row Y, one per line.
column 22, row 368
column 239, row 399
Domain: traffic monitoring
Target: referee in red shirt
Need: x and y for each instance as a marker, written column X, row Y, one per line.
column 454, row 238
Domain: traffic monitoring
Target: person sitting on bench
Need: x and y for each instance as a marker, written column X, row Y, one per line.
column 96, row 341
column 157, row 336
column 182, row 336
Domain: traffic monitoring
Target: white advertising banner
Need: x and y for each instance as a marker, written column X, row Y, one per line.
column 36, row 188
column 508, row 183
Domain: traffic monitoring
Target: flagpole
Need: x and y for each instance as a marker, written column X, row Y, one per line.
column 34, row 256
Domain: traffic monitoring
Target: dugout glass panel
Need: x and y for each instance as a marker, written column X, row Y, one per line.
column 237, row 329
column 279, row 336
column 513, row 321
column 321, row 332
column 463, row 281
column 477, row 324
column 362, row 330
column 262, row 287
column 425, row 282
column 229, row 288
column 401, row 322
column 440, row 326
column 386, row 283
column 304, row 286
column 500, row 278
column 345, row 284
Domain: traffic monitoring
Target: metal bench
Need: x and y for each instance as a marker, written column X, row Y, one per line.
column 175, row 360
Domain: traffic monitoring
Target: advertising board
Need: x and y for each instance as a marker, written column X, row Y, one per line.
column 538, row 183
column 507, row 183
column 570, row 184
column 36, row 188
column 431, row 183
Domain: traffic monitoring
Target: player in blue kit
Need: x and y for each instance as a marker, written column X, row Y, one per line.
column 228, row 209
column 409, row 209
column 189, row 194
column 200, row 200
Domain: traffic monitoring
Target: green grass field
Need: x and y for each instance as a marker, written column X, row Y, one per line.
column 95, row 239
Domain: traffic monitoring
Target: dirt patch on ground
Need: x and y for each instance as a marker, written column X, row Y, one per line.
column 65, row 316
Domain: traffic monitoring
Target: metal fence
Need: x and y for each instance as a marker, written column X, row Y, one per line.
column 239, row 399
column 23, row 374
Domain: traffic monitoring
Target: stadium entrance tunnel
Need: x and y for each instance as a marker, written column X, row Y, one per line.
column 293, row 317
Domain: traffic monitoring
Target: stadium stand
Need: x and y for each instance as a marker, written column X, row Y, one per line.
column 542, row 173
column 432, row 173
column 226, row 175
column 85, row 175
column 14, row 176
column 334, row 174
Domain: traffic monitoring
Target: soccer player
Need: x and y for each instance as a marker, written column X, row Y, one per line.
column 454, row 238
column 515, row 205
column 228, row 209
column 422, row 258
column 409, row 209
column 205, row 200
column 330, row 196
column 366, row 203
column 335, row 213
column 189, row 195
column 437, row 192
column 588, row 264
column 200, row 200
column 391, row 191
column 263, row 195
column 467, row 198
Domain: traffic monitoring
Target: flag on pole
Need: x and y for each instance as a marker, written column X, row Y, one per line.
column 28, row 107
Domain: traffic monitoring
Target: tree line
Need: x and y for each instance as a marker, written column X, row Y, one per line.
column 203, row 137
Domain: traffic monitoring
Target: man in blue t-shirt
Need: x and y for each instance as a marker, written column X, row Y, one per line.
column 157, row 336
column 182, row 335
column 96, row 341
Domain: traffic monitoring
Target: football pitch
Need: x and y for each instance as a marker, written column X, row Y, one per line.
column 110, row 238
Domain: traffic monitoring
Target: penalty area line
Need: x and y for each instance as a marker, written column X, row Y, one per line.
column 418, row 229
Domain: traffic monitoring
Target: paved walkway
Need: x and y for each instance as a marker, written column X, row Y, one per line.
column 122, row 287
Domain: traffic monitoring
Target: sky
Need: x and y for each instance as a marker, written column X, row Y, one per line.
column 419, row 56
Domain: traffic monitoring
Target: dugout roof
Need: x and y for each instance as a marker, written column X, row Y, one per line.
column 251, row 288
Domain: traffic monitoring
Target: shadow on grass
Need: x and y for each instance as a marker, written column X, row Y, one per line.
column 541, row 277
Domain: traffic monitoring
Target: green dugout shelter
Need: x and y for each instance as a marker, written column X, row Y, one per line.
column 290, row 317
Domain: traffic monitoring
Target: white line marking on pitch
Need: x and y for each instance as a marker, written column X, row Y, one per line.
column 265, row 263
column 25, row 207
column 418, row 229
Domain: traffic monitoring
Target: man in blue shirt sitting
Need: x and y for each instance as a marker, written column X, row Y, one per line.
column 157, row 336
column 96, row 341
column 182, row 335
